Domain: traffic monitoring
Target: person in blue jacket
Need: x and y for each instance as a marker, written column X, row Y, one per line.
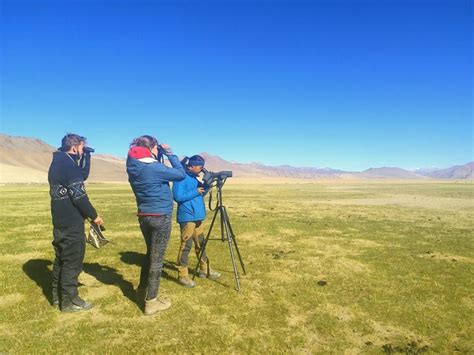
column 149, row 179
column 188, row 193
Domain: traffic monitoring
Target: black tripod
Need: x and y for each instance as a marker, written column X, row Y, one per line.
column 226, row 233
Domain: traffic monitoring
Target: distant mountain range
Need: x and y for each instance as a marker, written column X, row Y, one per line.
column 25, row 160
column 454, row 172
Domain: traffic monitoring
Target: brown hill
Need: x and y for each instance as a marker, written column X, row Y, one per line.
column 465, row 171
column 24, row 159
column 215, row 163
column 25, row 152
column 389, row 173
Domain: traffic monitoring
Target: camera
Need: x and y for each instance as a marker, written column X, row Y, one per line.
column 209, row 177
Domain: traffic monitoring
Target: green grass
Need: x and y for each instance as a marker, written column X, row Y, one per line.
column 397, row 260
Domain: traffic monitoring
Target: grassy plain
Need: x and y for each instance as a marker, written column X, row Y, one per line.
column 332, row 267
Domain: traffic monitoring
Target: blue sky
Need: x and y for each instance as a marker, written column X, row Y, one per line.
column 343, row 84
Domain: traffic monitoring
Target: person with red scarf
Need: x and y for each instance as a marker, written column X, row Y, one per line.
column 149, row 179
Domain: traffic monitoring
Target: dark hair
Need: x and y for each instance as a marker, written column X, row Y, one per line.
column 71, row 140
column 145, row 141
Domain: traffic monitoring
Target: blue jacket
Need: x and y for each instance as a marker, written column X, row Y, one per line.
column 149, row 180
column 190, row 202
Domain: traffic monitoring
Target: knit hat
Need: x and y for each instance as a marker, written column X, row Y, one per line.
column 196, row 160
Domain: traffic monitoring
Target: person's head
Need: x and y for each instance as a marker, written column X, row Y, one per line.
column 73, row 143
column 195, row 164
column 146, row 141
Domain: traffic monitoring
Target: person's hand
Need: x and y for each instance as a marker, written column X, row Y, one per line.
column 166, row 149
column 201, row 190
column 99, row 220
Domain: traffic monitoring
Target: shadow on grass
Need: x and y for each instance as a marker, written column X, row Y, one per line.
column 134, row 258
column 38, row 270
column 109, row 276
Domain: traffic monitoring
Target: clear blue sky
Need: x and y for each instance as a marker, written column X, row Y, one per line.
column 345, row 84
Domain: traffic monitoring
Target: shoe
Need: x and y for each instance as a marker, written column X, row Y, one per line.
column 187, row 282
column 212, row 275
column 156, row 305
column 56, row 304
column 77, row 307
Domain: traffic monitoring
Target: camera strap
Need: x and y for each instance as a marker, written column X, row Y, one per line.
column 210, row 201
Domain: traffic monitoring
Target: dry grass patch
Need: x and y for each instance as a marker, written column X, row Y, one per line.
column 330, row 249
column 21, row 257
column 99, row 291
column 384, row 334
column 442, row 203
column 11, row 299
column 345, row 265
column 340, row 312
column 446, row 257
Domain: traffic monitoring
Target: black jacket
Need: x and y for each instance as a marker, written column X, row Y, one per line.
column 69, row 202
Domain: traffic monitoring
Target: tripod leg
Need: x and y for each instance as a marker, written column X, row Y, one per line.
column 221, row 209
column 229, row 241
column 204, row 243
column 234, row 240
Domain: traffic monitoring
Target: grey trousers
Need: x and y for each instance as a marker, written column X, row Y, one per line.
column 156, row 231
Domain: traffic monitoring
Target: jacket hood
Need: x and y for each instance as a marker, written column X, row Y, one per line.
column 137, row 158
column 139, row 152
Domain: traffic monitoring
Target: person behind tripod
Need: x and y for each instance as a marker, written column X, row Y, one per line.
column 188, row 193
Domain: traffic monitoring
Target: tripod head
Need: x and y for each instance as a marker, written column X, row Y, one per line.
column 211, row 179
column 217, row 180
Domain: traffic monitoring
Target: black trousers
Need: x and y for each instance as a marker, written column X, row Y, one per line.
column 69, row 246
column 156, row 231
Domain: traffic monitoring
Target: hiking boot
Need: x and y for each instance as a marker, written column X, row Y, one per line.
column 187, row 282
column 211, row 275
column 156, row 305
column 77, row 306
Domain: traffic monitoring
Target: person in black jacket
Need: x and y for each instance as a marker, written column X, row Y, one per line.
column 69, row 207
